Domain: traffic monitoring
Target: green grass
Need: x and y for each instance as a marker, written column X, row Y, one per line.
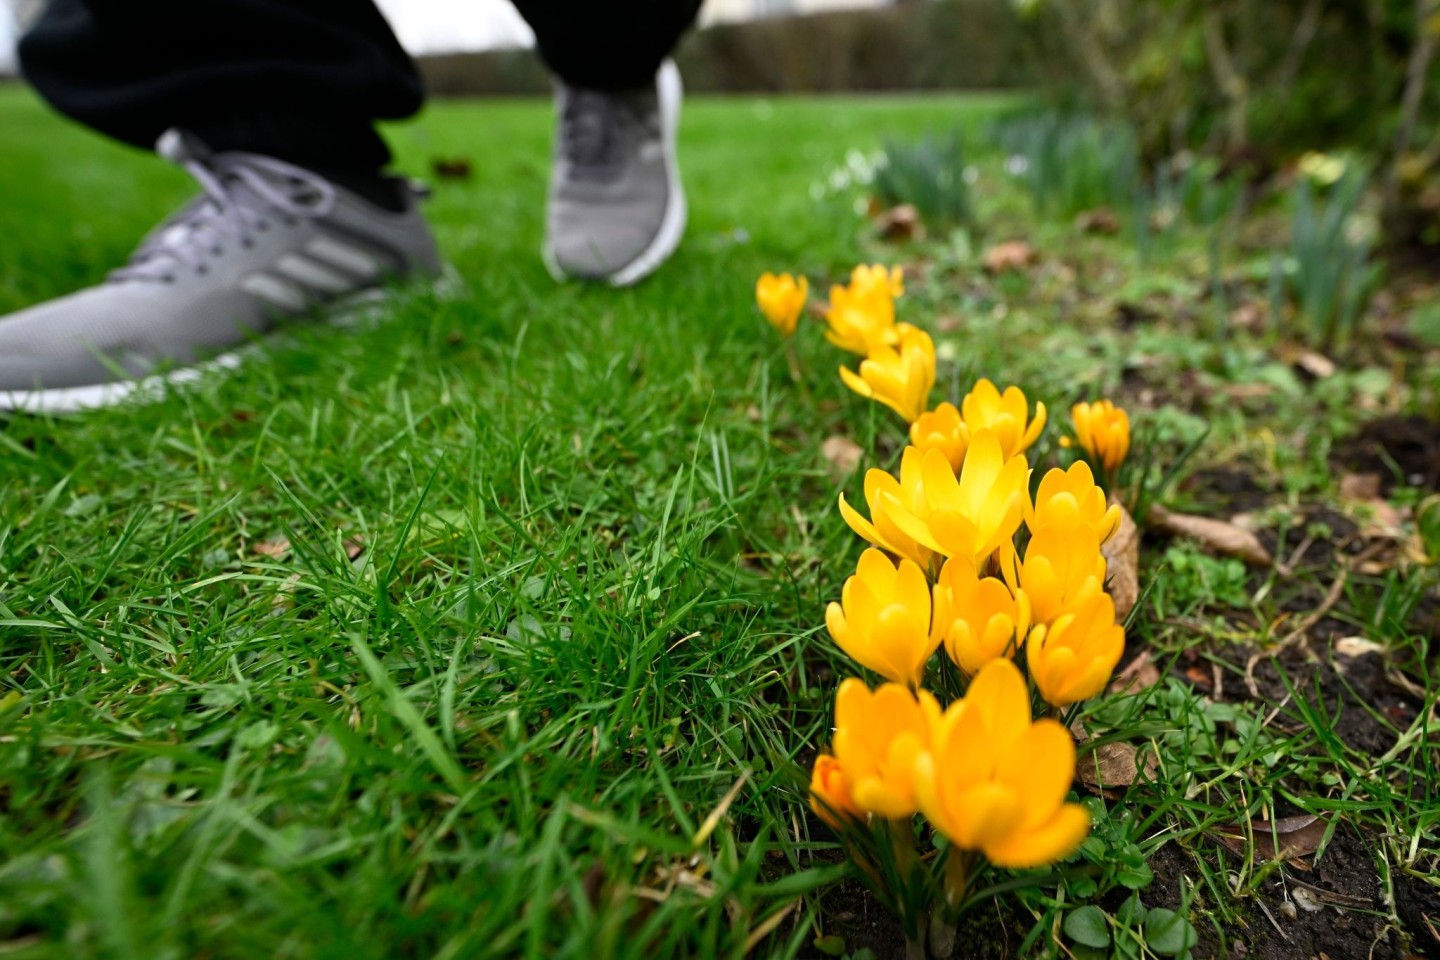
column 584, row 609
column 543, row 666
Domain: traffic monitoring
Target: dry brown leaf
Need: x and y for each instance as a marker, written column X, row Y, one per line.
column 1219, row 535
column 1286, row 839
column 948, row 323
column 1101, row 220
column 1248, row 391
column 1011, row 255
column 1317, row 365
column 1113, row 765
column 451, row 168
column 1122, row 564
column 1248, row 316
column 900, row 224
column 842, row 454
column 1360, row 486
column 276, row 549
column 1357, row 646
column 1139, row 674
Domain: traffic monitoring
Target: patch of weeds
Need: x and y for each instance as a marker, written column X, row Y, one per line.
column 932, row 175
column 1194, row 579
column 1328, row 273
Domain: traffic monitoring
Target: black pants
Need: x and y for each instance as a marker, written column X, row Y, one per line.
column 303, row 80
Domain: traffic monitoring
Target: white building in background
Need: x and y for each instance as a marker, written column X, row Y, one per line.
column 715, row 11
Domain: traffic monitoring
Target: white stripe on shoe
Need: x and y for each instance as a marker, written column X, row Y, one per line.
column 304, row 270
column 344, row 256
column 279, row 293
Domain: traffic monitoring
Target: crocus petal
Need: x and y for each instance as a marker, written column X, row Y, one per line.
column 1055, row 840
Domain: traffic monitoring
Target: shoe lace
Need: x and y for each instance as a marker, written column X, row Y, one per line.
column 593, row 131
column 225, row 212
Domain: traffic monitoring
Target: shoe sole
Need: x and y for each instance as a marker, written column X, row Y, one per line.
column 670, row 92
column 67, row 400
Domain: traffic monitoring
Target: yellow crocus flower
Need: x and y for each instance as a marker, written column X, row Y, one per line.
column 861, row 321
column 1070, row 497
column 878, row 738
column 1103, row 431
column 970, row 516
column 1072, row 659
column 901, row 376
column 782, row 299
column 1063, row 567
column 1007, row 414
column 995, row 782
column 882, row 621
column 830, row 792
column 928, row 511
column 977, row 618
column 942, row 429
column 864, row 279
column 887, row 496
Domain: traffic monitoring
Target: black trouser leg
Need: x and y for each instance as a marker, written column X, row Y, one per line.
column 607, row 44
column 302, row 80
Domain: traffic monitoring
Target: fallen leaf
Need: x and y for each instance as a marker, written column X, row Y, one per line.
column 1248, row 316
column 1101, row 220
column 900, row 224
column 842, row 454
column 1199, row 676
column 354, row 546
column 1286, row 839
column 948, row 323
column 276, row 549
column 1139, row 674
column 1360, row 486
column 1357, row 646
column 1317, row 365
column 1248, row 391
column 451, row 168
column 1011, row 255
column 1113, row 765
column 1219, row 535
column 1122, row 564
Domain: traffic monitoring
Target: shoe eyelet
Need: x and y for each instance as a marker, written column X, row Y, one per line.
column 202, row 270
column 247, row 243
column 169, row 278
column 217, row 251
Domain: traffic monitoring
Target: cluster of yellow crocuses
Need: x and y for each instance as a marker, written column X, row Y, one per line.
column 963, row 557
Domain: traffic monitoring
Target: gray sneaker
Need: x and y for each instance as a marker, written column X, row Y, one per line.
column 265, row 242
column 617, row 209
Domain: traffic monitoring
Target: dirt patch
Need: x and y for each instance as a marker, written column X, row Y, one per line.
column 1225, row 491
column 1295, row 914
column 1400, row 449
column 1417, row 903
column 852, row 913
column 1342, row 687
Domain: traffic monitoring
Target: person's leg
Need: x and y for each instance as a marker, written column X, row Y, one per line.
column 270, row 105
column 301, row 80
column 616, row 209
column 615, row 45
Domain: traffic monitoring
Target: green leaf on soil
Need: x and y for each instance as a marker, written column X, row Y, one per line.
column 1167, row 932
column 1089, row 926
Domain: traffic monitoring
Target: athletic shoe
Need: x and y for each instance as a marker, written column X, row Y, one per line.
column 265, row 242
column 617, row 209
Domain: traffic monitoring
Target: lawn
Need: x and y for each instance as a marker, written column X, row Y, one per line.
column 496, row 627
